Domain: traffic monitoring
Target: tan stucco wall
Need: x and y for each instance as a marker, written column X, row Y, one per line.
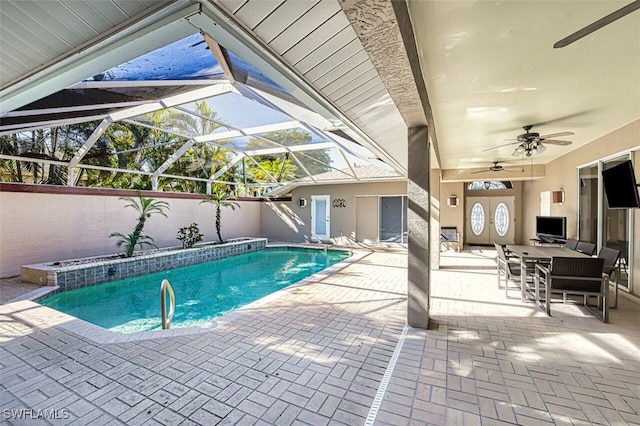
column 452, row 216
column 38, row 227
column 562, row 173
column 367, row 219
column 290, row 222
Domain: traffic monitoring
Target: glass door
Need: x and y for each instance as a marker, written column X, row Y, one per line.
column 490, row 219
column 588, row 209
column 615, row 228
column 320, row 218
column 393, row 219
column 598, row 224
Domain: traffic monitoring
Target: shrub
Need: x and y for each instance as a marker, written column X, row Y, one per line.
column 189, row 235
column 146, row 207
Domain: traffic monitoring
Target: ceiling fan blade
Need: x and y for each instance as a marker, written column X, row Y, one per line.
column 556, row 135
column 500, row 146
column 557, row 142
column 598, row 24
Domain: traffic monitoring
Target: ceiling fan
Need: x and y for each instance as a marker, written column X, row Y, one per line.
column 495, row 168
column 631, row 7
column 531, row 142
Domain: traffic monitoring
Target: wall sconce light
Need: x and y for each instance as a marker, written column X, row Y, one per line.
column 452, row 201
column 302, row 202
column 557, row 197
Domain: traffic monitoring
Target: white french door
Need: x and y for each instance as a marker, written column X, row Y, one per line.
column 320, row 218
column 490, row 219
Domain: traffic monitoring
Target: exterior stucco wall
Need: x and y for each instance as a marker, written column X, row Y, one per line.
column 287, row 221
column 41, row 227
column 452, row 216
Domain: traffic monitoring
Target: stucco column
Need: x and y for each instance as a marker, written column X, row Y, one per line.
column 418, row 223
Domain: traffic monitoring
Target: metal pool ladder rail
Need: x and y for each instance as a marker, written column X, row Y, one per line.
column 166, row 319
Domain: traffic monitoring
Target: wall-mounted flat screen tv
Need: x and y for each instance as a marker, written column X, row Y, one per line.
column 620, row 186
column 552, row 227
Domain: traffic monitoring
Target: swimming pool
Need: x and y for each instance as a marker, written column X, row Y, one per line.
column 203, row 291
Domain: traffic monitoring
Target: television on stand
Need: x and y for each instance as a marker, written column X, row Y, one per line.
column 551, row 229
column 620, row 186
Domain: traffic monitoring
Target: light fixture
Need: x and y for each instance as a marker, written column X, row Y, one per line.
column 302, row 202
column 557, row 197
column 453, row 201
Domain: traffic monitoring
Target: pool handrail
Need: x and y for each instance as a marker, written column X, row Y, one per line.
column 166, row 319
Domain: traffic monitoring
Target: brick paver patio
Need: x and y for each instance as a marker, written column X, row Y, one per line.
column 319, row 354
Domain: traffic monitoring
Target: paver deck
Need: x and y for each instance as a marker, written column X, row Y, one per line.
column 319, row 354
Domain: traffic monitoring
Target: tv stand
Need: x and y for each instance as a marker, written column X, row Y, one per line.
column 549, row 242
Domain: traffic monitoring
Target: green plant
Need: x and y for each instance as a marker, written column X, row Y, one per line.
column 146, row 207
column 189, row 235
column 219, row 198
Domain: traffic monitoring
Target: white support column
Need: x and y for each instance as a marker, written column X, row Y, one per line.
column 418, row 220
column 91, row 140
column 154, row 183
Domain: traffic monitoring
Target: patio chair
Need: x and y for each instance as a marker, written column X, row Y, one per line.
column 611, row 267
column 507, row 267
column 586, row 248
column 623, row 246
column 571, row 244
column 449, row 238
column 573, row 275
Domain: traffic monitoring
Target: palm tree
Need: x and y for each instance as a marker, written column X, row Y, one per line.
column 219, row 198
column 280, row 169
column 145, row 207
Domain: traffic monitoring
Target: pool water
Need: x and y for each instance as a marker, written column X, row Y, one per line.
column 202, row 292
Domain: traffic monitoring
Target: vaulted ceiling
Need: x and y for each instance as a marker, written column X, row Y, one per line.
column 485, row 69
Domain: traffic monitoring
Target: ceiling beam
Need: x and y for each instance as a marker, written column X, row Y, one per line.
column 171, row 101
column 296, row 148
column 217, row 53
column 18, row 128
column 161, row 24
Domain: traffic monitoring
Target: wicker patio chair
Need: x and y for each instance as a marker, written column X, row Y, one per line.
column 586, row 248
column 571, row 244
column 611, row 268
column 449, row 238
column 507, row 267
column 573, row 275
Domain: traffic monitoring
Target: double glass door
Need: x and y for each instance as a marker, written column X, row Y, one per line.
column 489, row 220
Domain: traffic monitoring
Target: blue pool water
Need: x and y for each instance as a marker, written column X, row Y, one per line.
column 203, row 291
